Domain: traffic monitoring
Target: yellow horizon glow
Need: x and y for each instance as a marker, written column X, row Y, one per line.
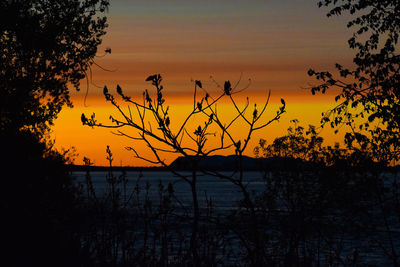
column 69, row 131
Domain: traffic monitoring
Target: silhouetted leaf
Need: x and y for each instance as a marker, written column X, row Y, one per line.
column 255, row 113
column 119, row 90
column 198, row 83
column 151, row 78
column 83, row 119
column 227, row 87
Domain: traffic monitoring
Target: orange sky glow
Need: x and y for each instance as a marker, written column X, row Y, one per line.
column 272, row 43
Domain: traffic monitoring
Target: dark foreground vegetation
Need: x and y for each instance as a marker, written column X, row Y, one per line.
column 341, row 214
column 323, row 206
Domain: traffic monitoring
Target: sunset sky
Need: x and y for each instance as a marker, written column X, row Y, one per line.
column 271, row 42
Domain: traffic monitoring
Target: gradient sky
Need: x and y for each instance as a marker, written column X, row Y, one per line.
column 271, row 42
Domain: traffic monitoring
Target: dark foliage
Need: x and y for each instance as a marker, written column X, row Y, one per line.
column 338, row 207
column 369, row 98
column 324, row 211
column 39, row 204
column 45, row 46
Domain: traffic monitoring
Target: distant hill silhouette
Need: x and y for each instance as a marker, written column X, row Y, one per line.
column 231, row 163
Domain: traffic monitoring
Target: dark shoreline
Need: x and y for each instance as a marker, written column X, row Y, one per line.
column 77, row 168
column 230, row 163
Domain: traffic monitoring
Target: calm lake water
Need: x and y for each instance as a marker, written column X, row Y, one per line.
column 224, row 196
column 223, row 193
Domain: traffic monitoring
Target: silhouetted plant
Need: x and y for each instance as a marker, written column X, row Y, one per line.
column 369, row 105
column 328, row 205
column 45, row 47
column 369, row 97
column 298, row 144
column 129, row 225
column 150, row 118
